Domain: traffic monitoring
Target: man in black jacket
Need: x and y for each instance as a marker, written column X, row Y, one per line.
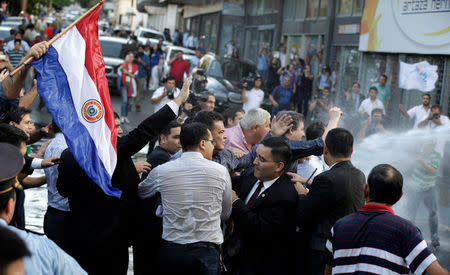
column 334, row 194
column 264, row 212
column 104, row 226
column 169, row 144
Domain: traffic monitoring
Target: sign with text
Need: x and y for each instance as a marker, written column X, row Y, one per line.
column 406, row 26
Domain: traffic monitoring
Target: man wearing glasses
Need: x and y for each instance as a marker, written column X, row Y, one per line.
column 196, row 196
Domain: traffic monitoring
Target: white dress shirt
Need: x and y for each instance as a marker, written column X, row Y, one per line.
column 195, row 194
column 367, row 106
column 419, row 114
column 157, row 93
column 307, row 167
column 266, row 186
column 255, row 98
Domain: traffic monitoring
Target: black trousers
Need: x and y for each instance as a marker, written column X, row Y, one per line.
column 18, row 219
column 57, row 227
column 197, row 258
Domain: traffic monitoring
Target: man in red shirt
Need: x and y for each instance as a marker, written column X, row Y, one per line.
column 179, row 66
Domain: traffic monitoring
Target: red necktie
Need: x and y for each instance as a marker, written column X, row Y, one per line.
column 252, row 199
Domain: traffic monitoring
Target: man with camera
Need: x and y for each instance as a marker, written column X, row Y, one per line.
column 435, row 119
column 254, row 97
column 164, row 94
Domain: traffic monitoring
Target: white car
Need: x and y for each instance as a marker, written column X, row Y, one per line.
column 153, row 36
column 169, row 52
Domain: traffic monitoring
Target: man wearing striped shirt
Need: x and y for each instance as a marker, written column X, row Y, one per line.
column 16, row 54
column 376, row 241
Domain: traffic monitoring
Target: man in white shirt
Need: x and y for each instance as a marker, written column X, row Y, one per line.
column 420, row 112
column 370, row 103
column 435, row 119
column 196, row 197
column 164, row 94
column 253, row 98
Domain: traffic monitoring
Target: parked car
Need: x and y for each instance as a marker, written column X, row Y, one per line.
column 112, row 47
column 225, row 77
column 4, row 33
column 153, row 36
column 11, row 24
column 169, row 52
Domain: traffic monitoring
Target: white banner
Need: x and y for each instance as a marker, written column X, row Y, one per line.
column 420, row 76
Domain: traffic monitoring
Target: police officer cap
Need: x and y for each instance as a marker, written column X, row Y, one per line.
column 11, row 162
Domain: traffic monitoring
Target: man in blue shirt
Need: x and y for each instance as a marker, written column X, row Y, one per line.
column 281, row 96
column 46, row 256
column 143, row 62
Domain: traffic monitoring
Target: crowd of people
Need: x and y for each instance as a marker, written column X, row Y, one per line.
column 239, row 192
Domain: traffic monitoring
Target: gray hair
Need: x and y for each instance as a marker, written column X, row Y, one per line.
column 256, row 116
column 296, row 118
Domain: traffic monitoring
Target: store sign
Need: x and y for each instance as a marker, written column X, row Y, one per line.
column 349, row 29
column 406, row 26
column 420, row 76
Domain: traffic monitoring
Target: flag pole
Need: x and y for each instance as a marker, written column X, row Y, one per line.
column 56, row 37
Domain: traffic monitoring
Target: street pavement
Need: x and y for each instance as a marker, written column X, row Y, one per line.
column 41, row 117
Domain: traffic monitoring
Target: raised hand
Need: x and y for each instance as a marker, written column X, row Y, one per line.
column 280, row 126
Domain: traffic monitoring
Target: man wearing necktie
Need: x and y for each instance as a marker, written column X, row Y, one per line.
column 264, row 211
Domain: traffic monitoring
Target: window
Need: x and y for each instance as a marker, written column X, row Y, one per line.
column 323, row 8
column 294, row 9
column 345, row 7
column 350, row 7
column 357, row 7
column 261, row 7
column 312, row 8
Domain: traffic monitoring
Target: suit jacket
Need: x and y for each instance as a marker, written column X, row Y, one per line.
column 267, row 229
column 334, row 194
column 157, row 157
column 102, row 226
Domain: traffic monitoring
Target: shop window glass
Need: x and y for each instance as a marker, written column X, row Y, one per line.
column 349, row 62
column 357, row 7
column 312, row 8
column 289, row 9
column 345, row 7
column 300, row 9
column 323, row 8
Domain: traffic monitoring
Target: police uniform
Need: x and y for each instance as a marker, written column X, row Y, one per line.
column 46, row 256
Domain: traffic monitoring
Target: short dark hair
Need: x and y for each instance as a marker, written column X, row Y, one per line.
column 296, row 118
column 231, row 113
column 192, row 134
column 55, row 127
column 357, row 83
column 17, row 40
column 339, row 142
column 12, row 135
column 208, row 118
column 4, row 198
column 376, row 110
column 281, row 152
column 116, row 115
column 16, row 115
column 385, row 76
column 169, row 78
column 385, row 184
column 315, row 130
column 436, row 106
column 166, row 130
column 13, row 248
column 427, row 94
column 373, row 88
column 205, row 95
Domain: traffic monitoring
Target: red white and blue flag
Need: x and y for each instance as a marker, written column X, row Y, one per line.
column 71, row 81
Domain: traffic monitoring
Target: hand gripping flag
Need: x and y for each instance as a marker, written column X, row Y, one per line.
column 71, row 80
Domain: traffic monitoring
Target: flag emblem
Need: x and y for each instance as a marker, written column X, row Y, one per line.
column 92, row 111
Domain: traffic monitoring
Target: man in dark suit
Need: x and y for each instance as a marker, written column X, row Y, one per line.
column 334, row 194
column 169, row 144
column 264, row 211
column 104, row 226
